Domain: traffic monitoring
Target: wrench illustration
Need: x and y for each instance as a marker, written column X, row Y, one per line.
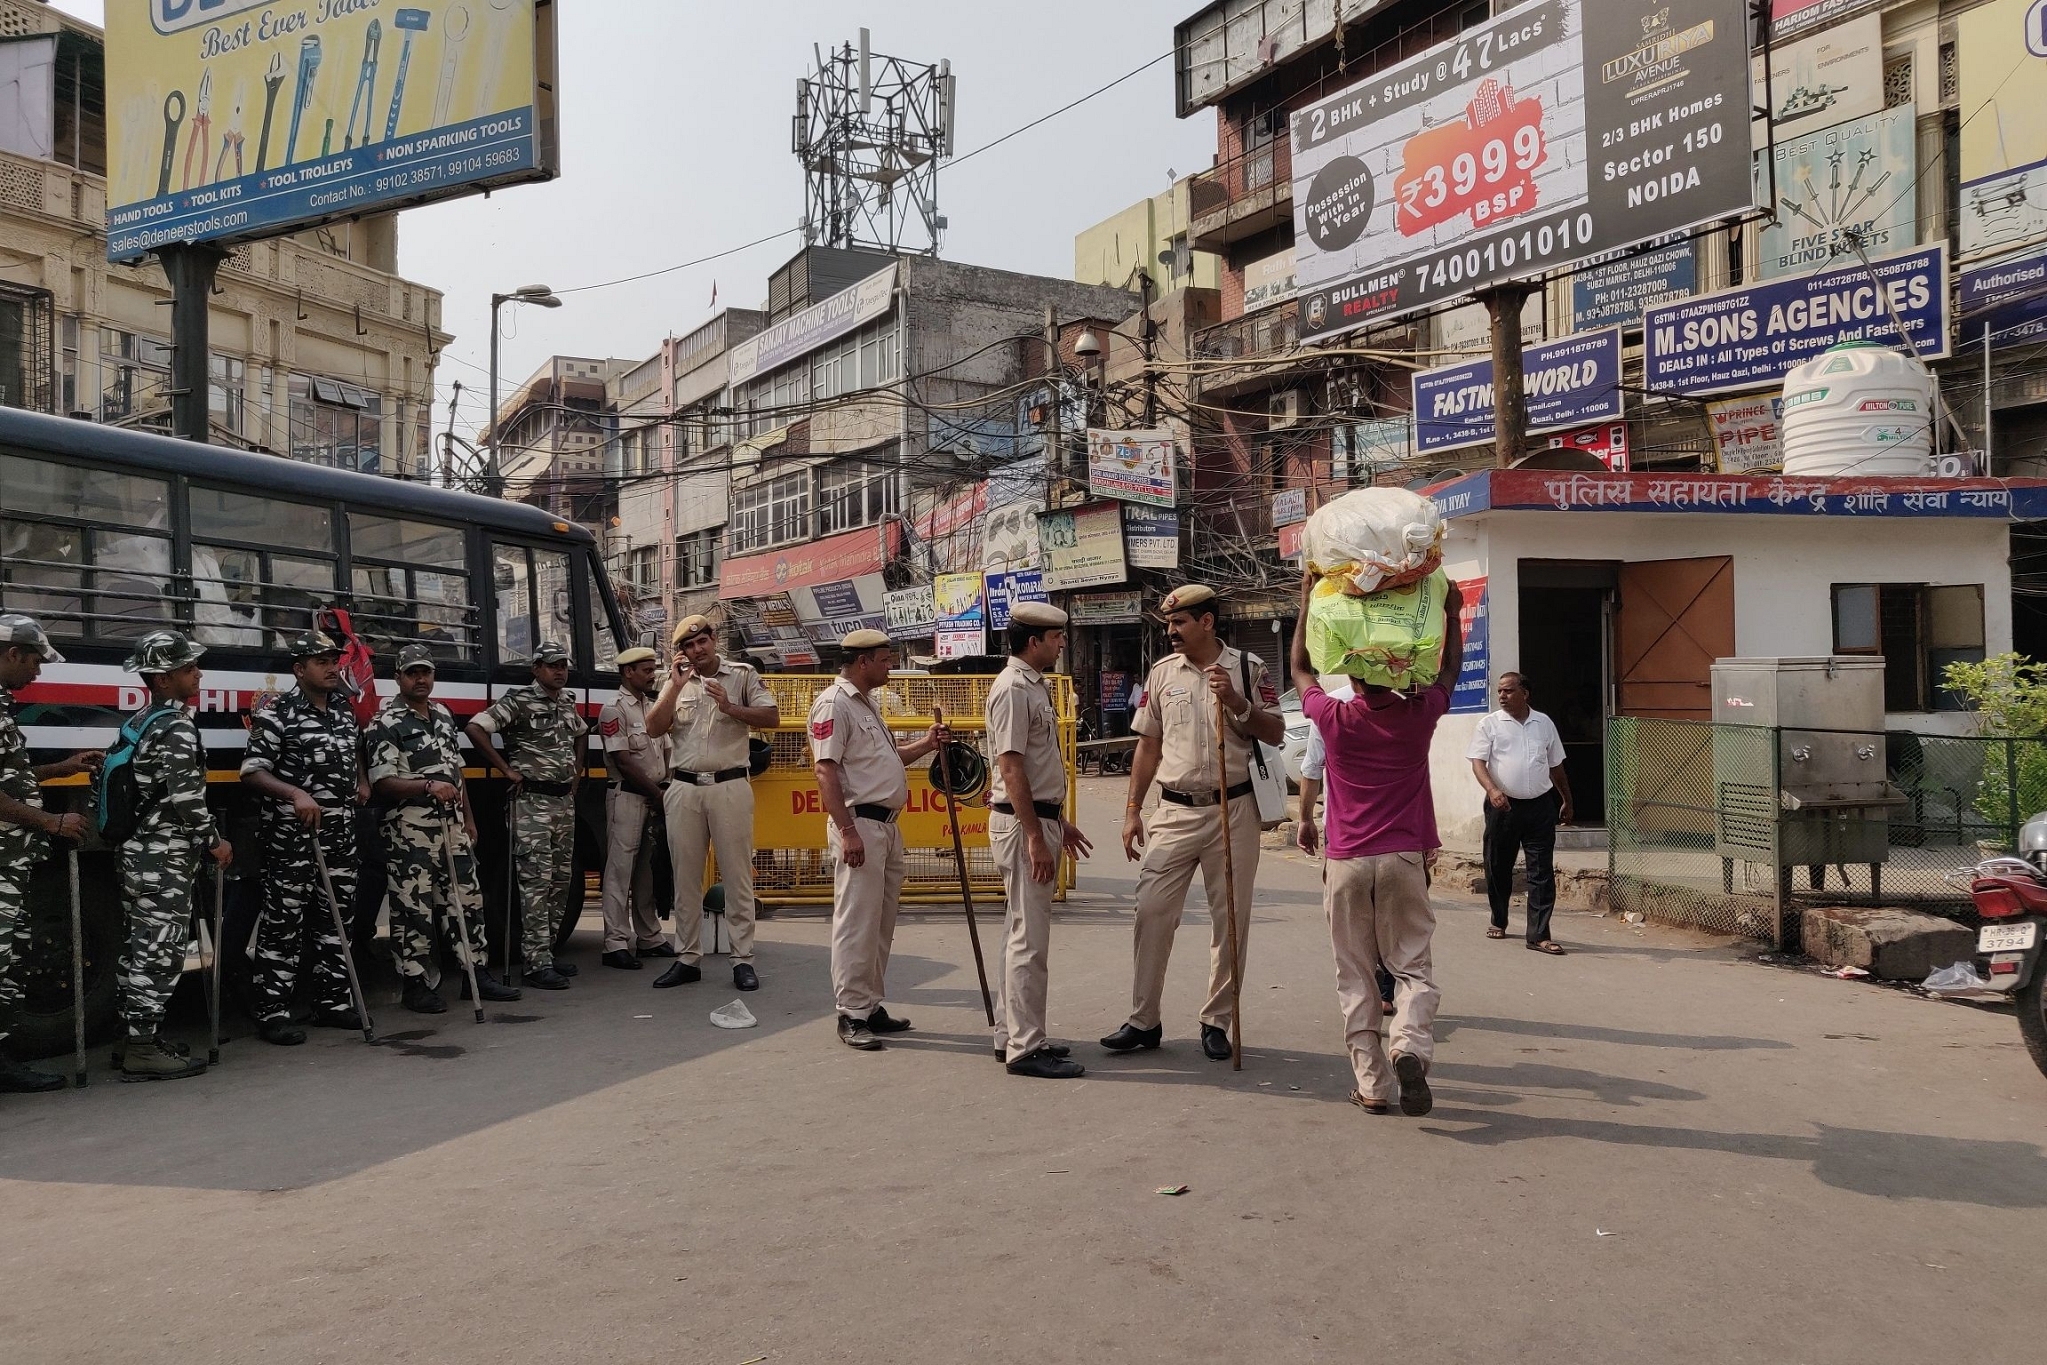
column 302, row 96
column 273, row 79
column 456, row 28
column 170, row 138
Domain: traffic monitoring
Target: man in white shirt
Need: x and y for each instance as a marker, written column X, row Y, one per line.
column 1518, row 758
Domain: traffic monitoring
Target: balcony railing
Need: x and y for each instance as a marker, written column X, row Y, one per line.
column 1242, row 196
column 1277, row 328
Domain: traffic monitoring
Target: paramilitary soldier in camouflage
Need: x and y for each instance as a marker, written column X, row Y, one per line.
column 159, row 861
column 24, row 649
column 540, row 726
column 415, row 766
column 305, row 761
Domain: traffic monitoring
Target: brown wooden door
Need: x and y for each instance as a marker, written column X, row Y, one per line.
column 1675, row 617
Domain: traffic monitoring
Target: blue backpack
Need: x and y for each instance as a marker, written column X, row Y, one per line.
column 116, row 795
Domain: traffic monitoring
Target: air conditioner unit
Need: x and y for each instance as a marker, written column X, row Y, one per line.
column 1287, row 408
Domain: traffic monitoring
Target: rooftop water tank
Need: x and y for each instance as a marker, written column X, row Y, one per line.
column 1858, row 409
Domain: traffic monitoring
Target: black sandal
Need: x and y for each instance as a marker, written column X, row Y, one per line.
column 1548, row 945
column 1495, row 931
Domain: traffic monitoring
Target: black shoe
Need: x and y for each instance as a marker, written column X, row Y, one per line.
column 659, row 950
column 1059, row 1050
column 855, row 1033
column 490, row 988
column 421, row 998
column 121, row 1050
column 20, row 1080
column 881, row 1021
column 347, row 1018
column 1413, row 1074
column 281, row 1031
column 546, row 979
column 679, row 974
column 1215, row 1043
column 621, row 959
column 565, row 968
column 744, row 977
column 1044, row 1065
column 1130, row 1038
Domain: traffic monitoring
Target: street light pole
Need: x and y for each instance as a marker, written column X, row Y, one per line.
column 540, row 296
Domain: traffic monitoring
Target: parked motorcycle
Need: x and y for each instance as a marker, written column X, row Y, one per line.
column 2011, row 896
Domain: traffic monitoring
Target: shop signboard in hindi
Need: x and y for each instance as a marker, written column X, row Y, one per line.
column 1106, row 608
column 1829, row 78
column 1746, row 435
column 1571, row 382
column 911, row 611
column 1553, row 132
column 1749, row 337
column 1615, row 294
column 1837, row 187
column 2003, row 84
column 1152, row 539
column 1005, row 590
column 1133, row 466
column 1082, row 547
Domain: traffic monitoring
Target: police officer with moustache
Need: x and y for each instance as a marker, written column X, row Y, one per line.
column 305, row 759
column 415, row 766
column 1027, row 834
column 863, row 785
column 708, row 709
column 1176, row 745
column 540, row 725
column 159, row 861
column 639, row 772
column 24, row 649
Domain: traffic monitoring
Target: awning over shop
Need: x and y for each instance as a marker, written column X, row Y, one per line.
column 1496, row 490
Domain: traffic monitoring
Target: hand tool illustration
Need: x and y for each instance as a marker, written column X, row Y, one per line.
column 408, row 22
column 202, row 127
column 327, row 139
column 231, row 137
column 170, row 137
column 365, row 87
column 500, row 20
column 454, row 29
column 302, row 93
column 273, row 80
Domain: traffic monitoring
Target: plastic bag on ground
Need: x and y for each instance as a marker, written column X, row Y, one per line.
column 734, row 1015
column 1373, row 538
column 1392, row 638
column 1956, row 976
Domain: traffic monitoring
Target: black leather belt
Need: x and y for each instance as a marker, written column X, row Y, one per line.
column 710, row 779
column 885, row 814
column 539, row 788
column 1203, row 798
column 1047, row 810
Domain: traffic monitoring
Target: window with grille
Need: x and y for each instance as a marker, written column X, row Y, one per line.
column 1897, row 80
column 855, row 495
column 772, row 513
column 411, row 586
column 1950, row 74
column 86, row 552
column 696, row 559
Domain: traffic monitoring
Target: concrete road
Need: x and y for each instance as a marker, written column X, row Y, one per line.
column 1651, row 1149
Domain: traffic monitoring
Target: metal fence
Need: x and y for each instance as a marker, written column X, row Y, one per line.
column 1700, row 831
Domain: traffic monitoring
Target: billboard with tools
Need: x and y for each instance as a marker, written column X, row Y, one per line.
column 233, row 120
column 1557, row 131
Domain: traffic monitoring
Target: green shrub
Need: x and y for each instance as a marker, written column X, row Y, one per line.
column 2008, row 693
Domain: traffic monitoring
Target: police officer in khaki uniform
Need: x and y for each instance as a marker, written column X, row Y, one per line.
column 709, row 709
column 1176, row 744
column 863, row 784
column 639, row 774
column 1027, row 835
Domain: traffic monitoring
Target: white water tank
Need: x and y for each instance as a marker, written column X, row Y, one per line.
column 1858, row 409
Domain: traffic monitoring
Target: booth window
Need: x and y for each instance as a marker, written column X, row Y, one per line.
column 1918, row 629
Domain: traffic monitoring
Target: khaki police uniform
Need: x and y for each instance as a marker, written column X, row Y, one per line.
column 1021, row 720
column 1179, row 711
column 631, row 919
column 710, row 805
column 847, row 728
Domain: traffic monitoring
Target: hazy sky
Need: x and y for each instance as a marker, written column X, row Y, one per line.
column 675, row 118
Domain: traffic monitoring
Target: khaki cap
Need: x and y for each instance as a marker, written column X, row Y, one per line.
column 1186, row 597
column 1037, row 614
column 689, row 627
column 864, row 639
column 639, row 655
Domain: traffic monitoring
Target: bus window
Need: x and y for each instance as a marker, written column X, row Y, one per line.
column 86, row 551
column 410, row 585
column 602, row 635
column 250, row 595
column 557, row 607
column 533, row 601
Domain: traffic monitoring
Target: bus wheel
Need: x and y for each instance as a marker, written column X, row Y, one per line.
column 42, row 1028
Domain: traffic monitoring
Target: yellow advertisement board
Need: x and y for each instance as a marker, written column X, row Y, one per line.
column 2003, row 54
column 230, row 120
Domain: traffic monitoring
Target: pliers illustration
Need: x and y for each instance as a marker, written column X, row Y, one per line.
column 202, row 128
column 232, row 137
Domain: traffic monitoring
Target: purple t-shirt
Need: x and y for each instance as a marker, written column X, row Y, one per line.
column 1377, row 780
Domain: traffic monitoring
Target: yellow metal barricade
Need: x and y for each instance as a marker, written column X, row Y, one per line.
column 790, row 863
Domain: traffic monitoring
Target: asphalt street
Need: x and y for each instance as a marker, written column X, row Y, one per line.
column 1654, row 1148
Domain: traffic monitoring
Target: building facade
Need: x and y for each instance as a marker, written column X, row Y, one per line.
column 552, row 438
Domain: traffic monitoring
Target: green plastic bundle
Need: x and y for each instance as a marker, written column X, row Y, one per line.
column 1390, row 638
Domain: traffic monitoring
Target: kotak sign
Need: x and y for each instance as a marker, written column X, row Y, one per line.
column 801, row 566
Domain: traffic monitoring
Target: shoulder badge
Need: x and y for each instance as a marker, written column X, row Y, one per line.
column 821, row 729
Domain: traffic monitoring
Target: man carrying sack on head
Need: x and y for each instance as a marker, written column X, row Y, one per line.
column 708, row 710
column 1176, row 728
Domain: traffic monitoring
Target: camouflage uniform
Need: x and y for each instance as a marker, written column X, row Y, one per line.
column 316, row 751
column 401, row 744
column 158, row 864
column 20, row 848
column 543, row 737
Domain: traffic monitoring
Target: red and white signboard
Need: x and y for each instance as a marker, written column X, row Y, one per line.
column 1607, row 442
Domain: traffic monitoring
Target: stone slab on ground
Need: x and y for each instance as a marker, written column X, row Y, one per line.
column 1888, row 942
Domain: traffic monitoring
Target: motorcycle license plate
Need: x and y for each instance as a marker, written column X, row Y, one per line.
column 2006, row 938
